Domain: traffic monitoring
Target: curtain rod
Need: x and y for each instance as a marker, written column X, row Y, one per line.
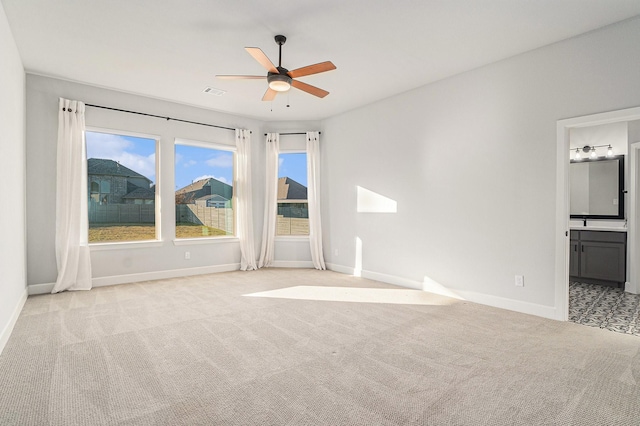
column 287, row 134
column 159, row 116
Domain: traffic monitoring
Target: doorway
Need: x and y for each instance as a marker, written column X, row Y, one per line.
column 562, row 203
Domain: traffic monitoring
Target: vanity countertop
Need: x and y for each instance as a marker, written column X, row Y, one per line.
column 597, row 228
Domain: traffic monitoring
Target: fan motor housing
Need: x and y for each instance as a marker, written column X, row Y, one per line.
column 280, row 82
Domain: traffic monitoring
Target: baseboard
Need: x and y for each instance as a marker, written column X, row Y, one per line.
column 144, row 276
column 630, row 288
column 340, row 268
column 543, row 311
column 6, row 331
column 43, row 288
column 392, row 279
column 291, row 264
column 432, row 287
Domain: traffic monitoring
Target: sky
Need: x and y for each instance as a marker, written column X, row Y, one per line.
column 191, row 163
column 195, row 163
column 293, row 166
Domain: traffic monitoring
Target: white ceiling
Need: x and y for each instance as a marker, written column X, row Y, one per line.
column 172, row 49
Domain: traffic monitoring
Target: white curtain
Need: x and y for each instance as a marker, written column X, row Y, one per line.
column 313, row 197
column 243, row 199
column 271, row 201
column 72, row 248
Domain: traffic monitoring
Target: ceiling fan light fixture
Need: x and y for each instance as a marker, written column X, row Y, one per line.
column 279, row 82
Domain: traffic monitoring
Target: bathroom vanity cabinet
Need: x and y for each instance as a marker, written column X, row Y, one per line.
column 598, row 257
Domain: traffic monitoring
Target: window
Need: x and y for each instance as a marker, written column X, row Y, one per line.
column 204, row 190
column 121, row 173
column 293, row 211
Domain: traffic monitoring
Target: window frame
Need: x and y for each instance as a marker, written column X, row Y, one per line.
column 107, row 245
column 291, row 237
column 220, row 147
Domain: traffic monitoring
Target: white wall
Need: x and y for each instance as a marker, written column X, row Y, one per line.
column 471, row 162
column 12, row 181
column 125, row 264
column 634, row 131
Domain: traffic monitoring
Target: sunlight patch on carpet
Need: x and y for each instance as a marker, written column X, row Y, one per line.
column 356, row 294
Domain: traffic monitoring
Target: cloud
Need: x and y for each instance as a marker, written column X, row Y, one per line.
column 146, row 166
column 105, row 146
column 280, row 161
column 179, row 159
column 120, row 149
column 221, row 160
column 202, row 177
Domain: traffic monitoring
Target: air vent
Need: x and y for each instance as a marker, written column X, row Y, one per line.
column 213, row 91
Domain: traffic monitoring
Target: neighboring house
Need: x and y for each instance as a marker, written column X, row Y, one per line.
column 289, row 189
column 112, row 183
column 292, row 202
column 204, row 187
column 215, row 200
column 140, row 196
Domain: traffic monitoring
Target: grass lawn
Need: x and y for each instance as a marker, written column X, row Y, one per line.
column 136, row 232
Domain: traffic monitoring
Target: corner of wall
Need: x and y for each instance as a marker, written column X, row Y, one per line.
column 13, row 318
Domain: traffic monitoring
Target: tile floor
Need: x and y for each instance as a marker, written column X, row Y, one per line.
column 604, row 307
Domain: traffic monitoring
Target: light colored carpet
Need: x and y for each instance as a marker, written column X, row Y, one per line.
column 200, row 351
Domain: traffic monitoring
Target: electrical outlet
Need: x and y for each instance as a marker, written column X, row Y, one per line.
column 187, row 255
column 336, row 252
column 519, row 280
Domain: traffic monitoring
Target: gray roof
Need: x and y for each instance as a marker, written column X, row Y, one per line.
column 99, row 166
column 289, row 189
column 141, row 194
column 194, row 186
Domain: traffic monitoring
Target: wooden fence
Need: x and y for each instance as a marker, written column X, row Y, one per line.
column 220, row 218
column 122, row 213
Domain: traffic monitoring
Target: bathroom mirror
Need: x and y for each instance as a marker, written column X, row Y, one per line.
column 597, row 188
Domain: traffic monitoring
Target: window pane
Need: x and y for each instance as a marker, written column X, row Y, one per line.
column 293, row 212
column 204, row 192
column 122, row 191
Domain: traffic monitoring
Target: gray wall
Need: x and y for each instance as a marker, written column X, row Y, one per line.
column 471, row 162
column 12, row 180
column 42, row 99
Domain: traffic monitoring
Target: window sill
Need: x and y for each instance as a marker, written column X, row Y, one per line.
column 210, row 240
column 125, row 245
column 296, row 238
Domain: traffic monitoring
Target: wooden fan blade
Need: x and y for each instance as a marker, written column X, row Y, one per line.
column 241, row 77
column 269, row 95
column 312, row 69
column 315, row 91
column 259, row 56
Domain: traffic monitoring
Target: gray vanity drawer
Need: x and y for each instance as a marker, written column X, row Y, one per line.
column 604, row 236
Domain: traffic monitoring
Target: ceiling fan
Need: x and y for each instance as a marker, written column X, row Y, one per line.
column 281, row 79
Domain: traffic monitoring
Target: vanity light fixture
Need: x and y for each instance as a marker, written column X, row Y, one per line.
column 590, row 150
column 578, row 157
column 609, row 151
